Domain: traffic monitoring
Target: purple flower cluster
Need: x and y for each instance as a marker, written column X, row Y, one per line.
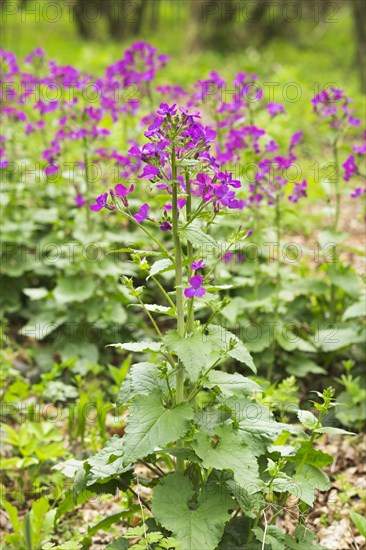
column 352, row 166
column 334, row 105
column 85, row 107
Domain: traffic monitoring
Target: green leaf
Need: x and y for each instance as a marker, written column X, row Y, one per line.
column 138, row 347
column 199, row 527
column 256, row 423
column 74, row 288
column 193, row 351
column 314, row 457
column 231, row 384
column 307, row 419
column 348, row 281
column 300, row 366
column 359, row 521
column 304, row 539
column 105, row 523
column 357, row 309
column 196, row 236
column 142, row 379
column 165, row 310
column 308, row 481
column 151, row 425
column 292, row 341
column 338, row 337
column 36, row 293
column 236, row 535
column 273, row 536
column 331, row 430
column 117, row 544
column 239, row 352
column 159, row 267
column 227, row 451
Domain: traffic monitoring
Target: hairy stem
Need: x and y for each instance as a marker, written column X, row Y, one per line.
column 190, row 317
column 179, row 290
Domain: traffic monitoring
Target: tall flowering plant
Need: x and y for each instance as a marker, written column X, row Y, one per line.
column 334, row 106
column 214, row 471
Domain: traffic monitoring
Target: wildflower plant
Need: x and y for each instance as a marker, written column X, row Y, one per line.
column 221, row 465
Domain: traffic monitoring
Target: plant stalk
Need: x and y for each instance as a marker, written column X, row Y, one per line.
column 179, row 290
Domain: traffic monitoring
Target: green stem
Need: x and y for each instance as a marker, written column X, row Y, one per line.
column 152, row 320
column 171, row 303
column 147, row 232
column 257, row 260
column 333, row 292
column 311, row 441
column 178, row 289
column 87, row 181
column 198, row 385
column 278, row 280
column 190, row 316
column 255, row 524
column 217, row 261
column 337, row 190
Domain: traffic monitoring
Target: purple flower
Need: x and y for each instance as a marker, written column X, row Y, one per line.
column 195, row 289
column 354, row 121
column 298, row 192
column 121, row 191
column 275, row 108
column 296, row 138
column 226, row 258
column 100, row 202
column 360, row 149
column 357, row 192
column 165, row 110
column 271, row 146
column 79, row 200
column 199, row 264
column 250, row 232
column 350, row 167
column 51, row 169
column 143, row 213
column 149, row 172
column 180, row 204
column 166, row 226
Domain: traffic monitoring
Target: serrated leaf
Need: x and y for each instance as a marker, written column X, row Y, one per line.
column 307, row 419
column 159, row 267
column 142, row 379
column 272, row 536
column 240, row 352
column 231, row 384
column 155, row 308
column 130, row 250
column 104, row 464
column 331, row 430
column 199, row 528
column 138, row 347
column 117, row 544
column 193, row 351
column 314, row 457
column 151, row 425
column 227, row 451
column 256, row 424
column 309, row 480
column 196, row 236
